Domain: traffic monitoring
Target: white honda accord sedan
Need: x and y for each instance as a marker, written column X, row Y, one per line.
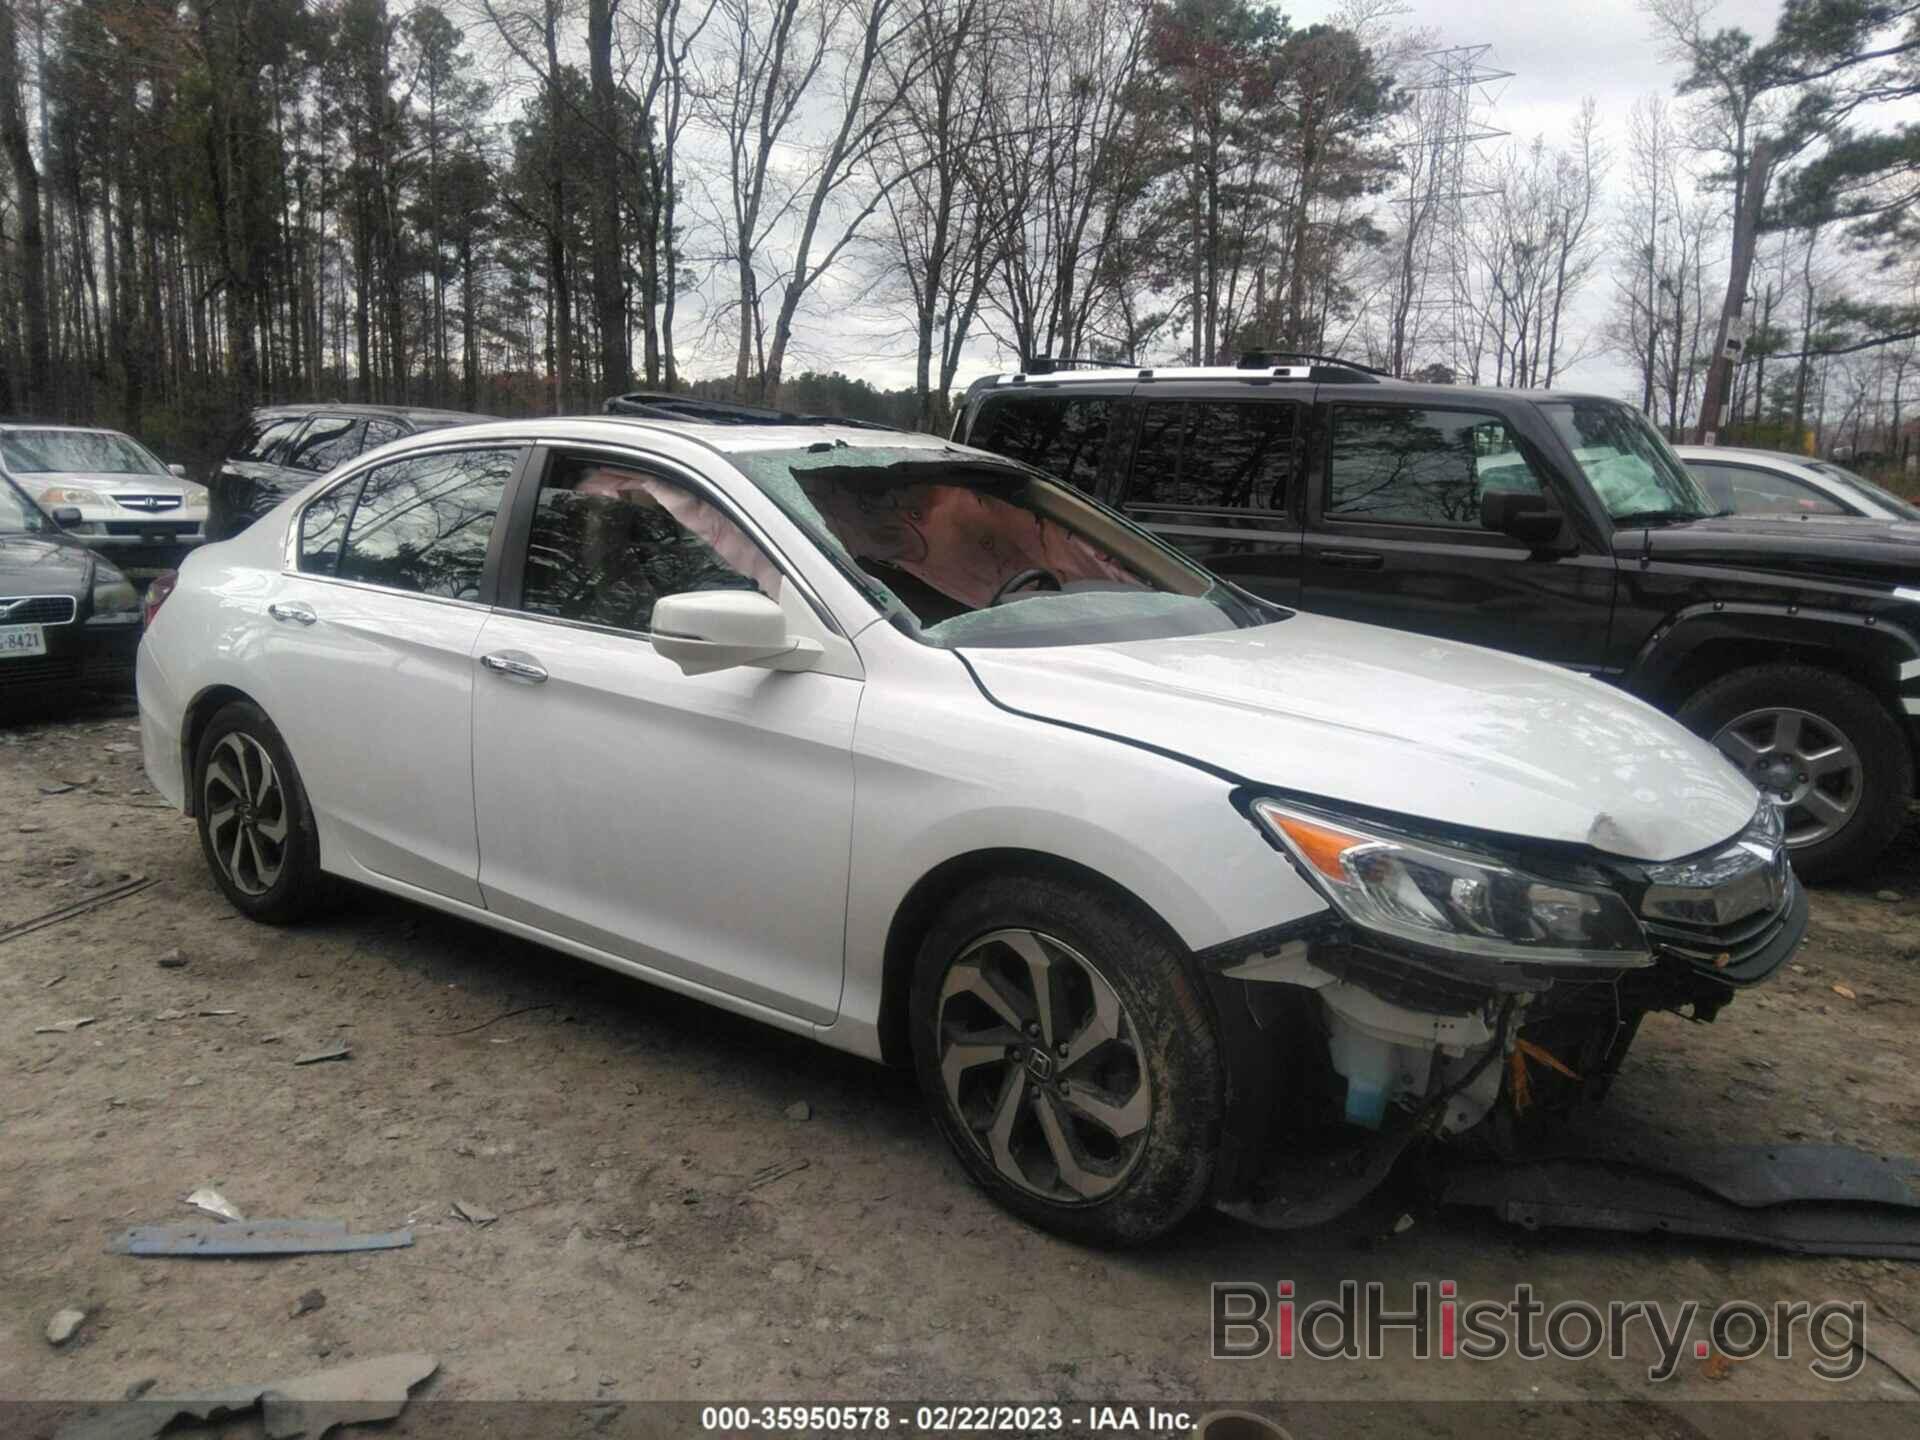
column 1168, row 895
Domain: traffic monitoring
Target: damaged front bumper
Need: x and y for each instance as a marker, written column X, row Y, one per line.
column 1344, row 1050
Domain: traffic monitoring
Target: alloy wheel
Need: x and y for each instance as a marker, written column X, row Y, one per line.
column 1800, row 762
column 1042, row 1066
column 246, row 809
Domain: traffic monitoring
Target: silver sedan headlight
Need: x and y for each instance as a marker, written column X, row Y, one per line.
column 1444, row 897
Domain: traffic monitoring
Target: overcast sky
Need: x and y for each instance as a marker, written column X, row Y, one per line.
column 1559, row 52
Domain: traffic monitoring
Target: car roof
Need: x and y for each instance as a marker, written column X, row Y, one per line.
column 11, row 425
column 722, row 439
column 1735, row 452
column 293, row 409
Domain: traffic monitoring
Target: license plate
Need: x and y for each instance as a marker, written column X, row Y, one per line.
column 22, row 640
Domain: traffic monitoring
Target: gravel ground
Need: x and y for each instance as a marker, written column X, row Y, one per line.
column 667, row 1229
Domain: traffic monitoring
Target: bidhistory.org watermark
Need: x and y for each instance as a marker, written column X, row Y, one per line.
column 1428, row 1320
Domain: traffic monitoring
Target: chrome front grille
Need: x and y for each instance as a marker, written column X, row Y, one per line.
column 148, row 502
column 37, row 609
column 1719, row 947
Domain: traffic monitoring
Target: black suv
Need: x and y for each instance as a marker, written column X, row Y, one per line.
column 283, row 447
column 1559, row 526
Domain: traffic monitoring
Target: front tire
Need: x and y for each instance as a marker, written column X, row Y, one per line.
column 1066, row 1051
column 256, row 827
column 1822, row 747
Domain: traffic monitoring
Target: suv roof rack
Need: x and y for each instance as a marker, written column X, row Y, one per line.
column 1264, row 359
column 665, row 405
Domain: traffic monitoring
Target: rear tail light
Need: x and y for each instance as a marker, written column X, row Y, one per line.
column 158, row 589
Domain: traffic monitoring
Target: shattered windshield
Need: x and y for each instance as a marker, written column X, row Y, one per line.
column 1631, row 468
column 962, row 549
column 18, row 514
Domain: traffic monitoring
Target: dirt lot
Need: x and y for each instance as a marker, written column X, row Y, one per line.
column 625, row 1138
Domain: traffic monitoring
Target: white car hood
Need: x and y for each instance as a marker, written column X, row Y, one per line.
column 1425, row 728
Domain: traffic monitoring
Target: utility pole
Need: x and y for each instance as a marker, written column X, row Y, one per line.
column 1731, row 337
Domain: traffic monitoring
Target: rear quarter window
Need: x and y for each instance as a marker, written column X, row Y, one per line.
column 261, row 437
column 1064, row 435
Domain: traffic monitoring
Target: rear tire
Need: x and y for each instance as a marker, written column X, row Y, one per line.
column 1092, row 1113
column 1780, row 725
column 256, row 827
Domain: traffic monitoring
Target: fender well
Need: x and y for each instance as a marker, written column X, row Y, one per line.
column 200, row 712
column 1699, row 644
column 921, row 904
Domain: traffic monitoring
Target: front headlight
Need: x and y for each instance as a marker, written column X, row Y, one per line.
column 115, row 601
column 196, row 502
column 1446, row 898
column 68, row 495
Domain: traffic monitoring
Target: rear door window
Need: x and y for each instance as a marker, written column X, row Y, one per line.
column 1214, row 455
column 1750, row 491
column 423, row 522
column 1064, row 435
column 1399, row 465
column 262, row 436
column 327, row 440
column 380, row 430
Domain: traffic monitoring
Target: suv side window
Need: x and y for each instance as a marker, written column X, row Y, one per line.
column 1064, row 435
column 608, row 541
column 1393, row 464
column 422, row 523
column 261, row 436
column 380, row 430
column 327, row 440
column 1214, row 455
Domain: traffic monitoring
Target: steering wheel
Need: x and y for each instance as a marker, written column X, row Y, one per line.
column 1032, row 575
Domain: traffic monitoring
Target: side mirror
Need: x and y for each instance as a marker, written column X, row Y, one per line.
column 707, row 630
column 1529, row 518
column 178, row 471
column 67, row 516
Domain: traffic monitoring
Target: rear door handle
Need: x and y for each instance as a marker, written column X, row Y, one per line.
column 292, row 612
column 1350, row 559
column 515, row 666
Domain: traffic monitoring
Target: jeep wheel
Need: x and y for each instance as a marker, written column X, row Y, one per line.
column 1821, row 747
column 1068, row 1056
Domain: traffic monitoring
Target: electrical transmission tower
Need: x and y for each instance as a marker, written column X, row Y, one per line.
column 1451, row 116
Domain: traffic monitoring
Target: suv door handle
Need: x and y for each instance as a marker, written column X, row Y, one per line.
column 292, row 612
column 515, row 666
column 1350, row 559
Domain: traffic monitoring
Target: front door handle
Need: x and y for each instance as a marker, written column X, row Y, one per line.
column 1350, row 559
column 292, row 612
column 515, row 666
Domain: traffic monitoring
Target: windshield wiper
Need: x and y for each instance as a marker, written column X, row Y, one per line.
column 1651, row 518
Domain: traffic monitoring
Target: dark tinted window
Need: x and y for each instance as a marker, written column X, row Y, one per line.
column 263, row 435
column 325, row 442
column 321, row 526
column 1761, row 492
column 1214, row 455
column 1420, row 467
column 380, row 431
column 608, row 542
column 423, row 523
column 1059, row 434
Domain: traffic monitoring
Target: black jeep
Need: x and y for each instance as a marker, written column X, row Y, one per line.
column 1559, row 526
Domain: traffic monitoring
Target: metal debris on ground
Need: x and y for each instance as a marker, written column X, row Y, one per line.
column 332, row 1052
column 252, row 1237
column 64, row 1324
column 473, row 1214
column 132, row 886
column 63, row 1027
column 362, row 1393
column 172, row 960
column 214, row 1203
